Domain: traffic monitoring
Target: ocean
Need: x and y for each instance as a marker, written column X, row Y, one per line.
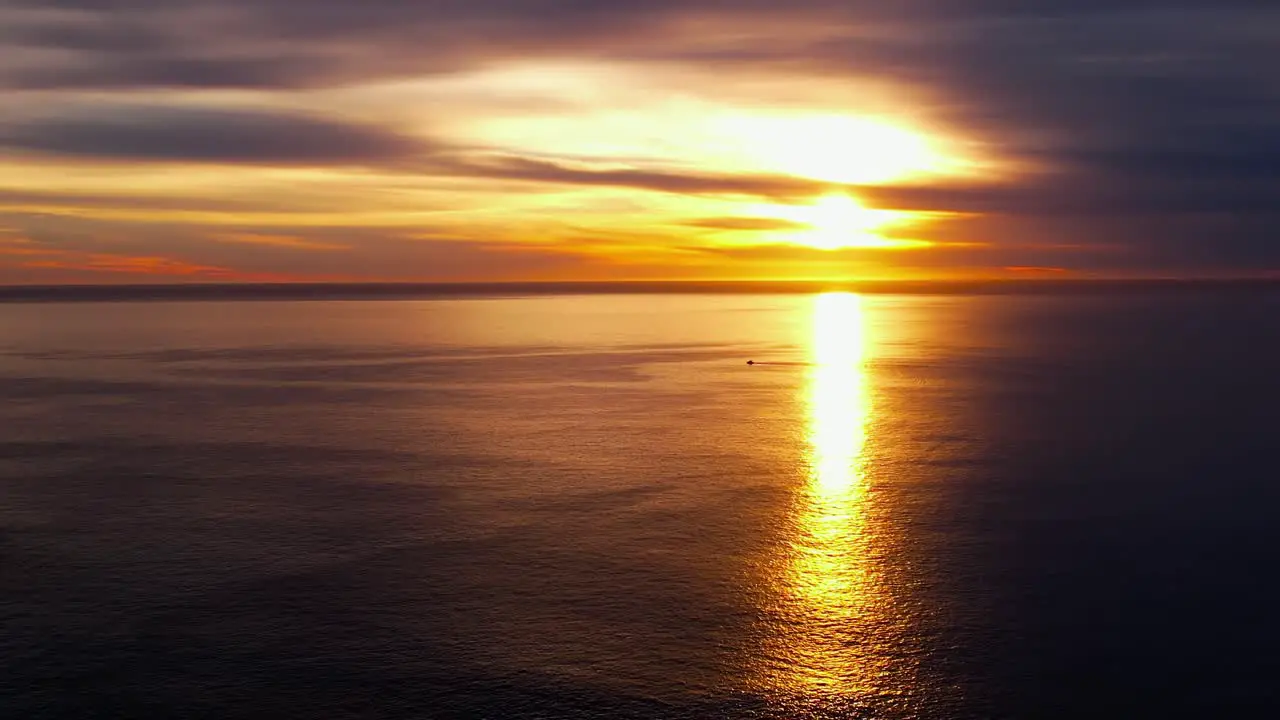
column 1010, row 505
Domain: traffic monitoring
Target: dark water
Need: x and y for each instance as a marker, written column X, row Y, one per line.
column 591, row 507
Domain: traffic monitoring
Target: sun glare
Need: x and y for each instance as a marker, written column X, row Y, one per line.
column 836, row 148
column 838, row 221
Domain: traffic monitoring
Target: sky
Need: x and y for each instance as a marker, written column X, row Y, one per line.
column 492, row 140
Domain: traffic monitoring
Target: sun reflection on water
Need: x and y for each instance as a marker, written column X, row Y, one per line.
column 832, row 616
column 828, row 573
column 838, row 403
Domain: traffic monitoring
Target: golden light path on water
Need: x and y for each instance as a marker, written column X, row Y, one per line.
column 828, row 571
column 835, row 638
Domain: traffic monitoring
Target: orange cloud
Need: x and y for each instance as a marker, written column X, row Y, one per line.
column 285, row 241
column 1036, row 270
column 28, row 254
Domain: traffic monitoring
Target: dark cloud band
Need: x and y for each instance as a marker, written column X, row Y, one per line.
column 204, row 134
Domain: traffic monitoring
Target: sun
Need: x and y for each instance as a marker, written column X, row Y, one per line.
column 838, row 221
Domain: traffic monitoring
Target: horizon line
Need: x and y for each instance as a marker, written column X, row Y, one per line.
column 405, row 290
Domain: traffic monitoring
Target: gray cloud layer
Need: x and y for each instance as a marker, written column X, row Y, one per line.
column 211, row 134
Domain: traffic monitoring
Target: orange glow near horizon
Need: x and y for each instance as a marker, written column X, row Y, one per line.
column 660, row 135
column 608, row 176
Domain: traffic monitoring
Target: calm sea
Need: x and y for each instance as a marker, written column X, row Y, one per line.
column 1048, row 506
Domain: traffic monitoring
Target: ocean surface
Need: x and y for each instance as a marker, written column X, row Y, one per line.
column 591, row 506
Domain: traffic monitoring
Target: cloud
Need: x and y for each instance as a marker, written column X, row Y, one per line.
column 546, row 171
column 18, row 198
column 35, row 247
column 177, row 133
column 285, row 44
column 283, row 241
column 1107, row 195
column 184, row 72
column 26, row 255
column 763, row 224
column 1036, row 270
